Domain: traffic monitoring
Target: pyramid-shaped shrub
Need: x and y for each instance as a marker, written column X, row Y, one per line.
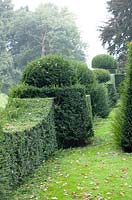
column 123, row 120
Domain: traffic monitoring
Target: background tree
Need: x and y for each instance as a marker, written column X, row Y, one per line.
column 7, row 71
column 116, row 32
column 48, row 30
column 27, row 35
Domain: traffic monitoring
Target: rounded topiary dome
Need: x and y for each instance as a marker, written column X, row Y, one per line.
column 85, row 76
column 104, row 61
column 102, row 75
column 51, row 70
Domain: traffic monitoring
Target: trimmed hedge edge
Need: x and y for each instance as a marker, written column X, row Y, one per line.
column 27, row 149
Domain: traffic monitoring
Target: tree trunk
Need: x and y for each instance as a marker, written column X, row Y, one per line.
column 43, row 50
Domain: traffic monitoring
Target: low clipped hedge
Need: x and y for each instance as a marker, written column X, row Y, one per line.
column 51, row 70
column 73, row 118
column 4, row 179
column 29, row 137
column 102, row 75
column 112, row 94
column 98, row 93
column 119, row 78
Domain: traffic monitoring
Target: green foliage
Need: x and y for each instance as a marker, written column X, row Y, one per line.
column 116, row 31
column 6, row 14
column 73, row 118
column 52, row 70
column 99, row 99
column 119, row 78
column 8, row 74
column 104, row 61
column 123, row 121
column 117, row 125
column 27, row 35
column 112, row 94
column 102, row 75
column 4, row 179
column 112, row 79
column 85, row 76
column 3, row 100
column 72, row 112
column 29, row 136
column 78, row 166
column 89, row 107
column 49, row 30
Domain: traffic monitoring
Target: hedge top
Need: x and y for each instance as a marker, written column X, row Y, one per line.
column 23, row 114
column 104, row 61
column 51, row 70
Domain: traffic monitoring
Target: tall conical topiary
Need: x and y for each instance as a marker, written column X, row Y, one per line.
column 123, row 121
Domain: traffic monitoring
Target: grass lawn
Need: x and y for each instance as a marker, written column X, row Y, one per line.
column 99, row 171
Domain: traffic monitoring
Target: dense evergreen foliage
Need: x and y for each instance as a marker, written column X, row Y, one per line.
column 34, row 127
column 27, row 35
column 104, row 61
column 4, row 179
column 116, row 31
column 99, row 99
column 29, row 137
column 73, row 116
column 8, row 73
column 119, row 78
column 123, row 120
column 51, row 70
column 102, row 75
column 112, row 93
column 85, row 76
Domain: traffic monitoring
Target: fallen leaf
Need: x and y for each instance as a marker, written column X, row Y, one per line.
column 54, row 198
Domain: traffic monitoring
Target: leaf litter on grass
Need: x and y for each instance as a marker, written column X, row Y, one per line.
column 95, row 172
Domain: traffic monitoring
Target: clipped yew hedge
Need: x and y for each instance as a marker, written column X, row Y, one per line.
column 119, row 78
column 99, row 99
column 122, row 126
column 50, row 70
column 105, row 61
column 4, row 179
column 85, row 76
column 73, row 117
column 102, row 75
column 112, row 93
column 29, row 137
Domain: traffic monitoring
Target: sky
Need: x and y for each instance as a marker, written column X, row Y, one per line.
column 90, row 15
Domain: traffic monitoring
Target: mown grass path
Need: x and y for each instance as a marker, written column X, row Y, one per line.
column 99, row 171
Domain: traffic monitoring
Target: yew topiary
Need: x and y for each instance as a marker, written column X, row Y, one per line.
column 85, row 76
column 102, row 75
column 104, row 61
column 123, row 119
column 51, row 70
